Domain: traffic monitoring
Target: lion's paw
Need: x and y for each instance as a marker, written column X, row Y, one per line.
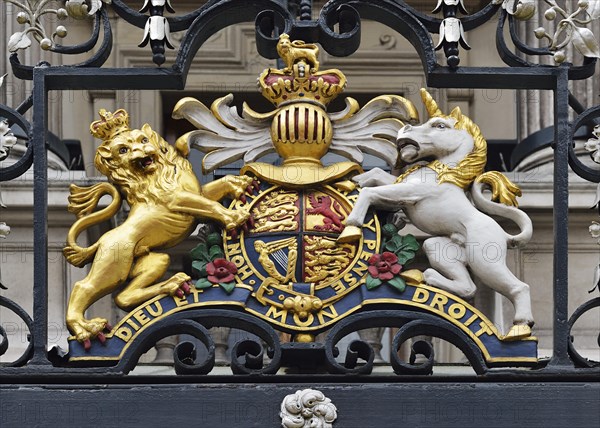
column 86, row 330
column 240, row 185
column 178, row 285
column 236, row 219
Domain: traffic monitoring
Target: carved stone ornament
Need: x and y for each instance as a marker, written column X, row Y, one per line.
column 307, row 408
column 295, row 245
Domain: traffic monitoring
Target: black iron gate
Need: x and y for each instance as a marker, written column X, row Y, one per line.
column 555, row 392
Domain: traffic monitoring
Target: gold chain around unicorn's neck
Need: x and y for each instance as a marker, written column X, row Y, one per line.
column 409, row 171
column 437, row 166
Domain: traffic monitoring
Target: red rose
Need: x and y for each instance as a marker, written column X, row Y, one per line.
column 384, row 266
column 220, row 270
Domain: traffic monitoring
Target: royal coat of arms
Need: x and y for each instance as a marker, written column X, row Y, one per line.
column 296, row 244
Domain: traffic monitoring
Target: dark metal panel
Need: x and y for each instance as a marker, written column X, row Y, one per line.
column 40, row 219
column 562, row 140
column 493, row 78
column 471, row 405
column 111, row 78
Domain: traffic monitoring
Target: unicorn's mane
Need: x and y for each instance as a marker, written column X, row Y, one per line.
column 471, row 168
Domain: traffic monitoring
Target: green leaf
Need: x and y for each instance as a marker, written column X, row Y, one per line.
column 372, row 283
column 199, row 267
column 215, row 252
column 214, row 239
column 200, row 253
column 389, row 230
column 409, row 242
column 393, row 244
column 405, row 257
column 228, row 287
column 203, row 283
column 398, row 283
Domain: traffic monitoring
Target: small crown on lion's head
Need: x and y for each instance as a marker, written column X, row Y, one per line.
column 110, row 125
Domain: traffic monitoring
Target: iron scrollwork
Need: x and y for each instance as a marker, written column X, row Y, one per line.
column 101, row 24
column 8, row 119
column 410, row 325
column 578, row 359
column 587, row 118
column 4, row 340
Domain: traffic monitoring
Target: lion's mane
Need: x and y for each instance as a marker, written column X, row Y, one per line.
column 146, row 188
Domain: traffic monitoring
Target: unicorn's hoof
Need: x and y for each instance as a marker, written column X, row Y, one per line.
column 350, row 234
column 518, row 331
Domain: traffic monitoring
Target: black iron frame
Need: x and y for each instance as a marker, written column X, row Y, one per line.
column 272, row 18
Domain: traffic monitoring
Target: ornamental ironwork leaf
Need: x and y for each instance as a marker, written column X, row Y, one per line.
column 593, row 145
column 97, row 5
column 30, row 15
column 18, row 40
column 571, row 29
column 7, row 140
column 584, row 41
column 520, row 9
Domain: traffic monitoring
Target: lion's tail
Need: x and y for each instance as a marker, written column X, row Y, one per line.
column 503, row 204
column 82, row 202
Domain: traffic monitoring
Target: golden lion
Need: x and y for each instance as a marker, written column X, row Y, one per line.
column 165, row 200
column 291, row 52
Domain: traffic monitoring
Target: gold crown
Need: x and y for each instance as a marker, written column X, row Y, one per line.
column 110, row 125
column 300, row 80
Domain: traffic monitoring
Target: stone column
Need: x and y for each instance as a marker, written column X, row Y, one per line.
column 220, row 336
column 536, row 108
column 373, row 337
column 164, row 350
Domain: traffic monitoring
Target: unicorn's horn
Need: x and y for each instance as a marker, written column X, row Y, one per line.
column 430, row 104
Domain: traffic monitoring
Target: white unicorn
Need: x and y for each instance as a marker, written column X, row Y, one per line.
column 435, row 198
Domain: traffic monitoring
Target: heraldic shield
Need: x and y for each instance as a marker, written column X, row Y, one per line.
column 302, row 247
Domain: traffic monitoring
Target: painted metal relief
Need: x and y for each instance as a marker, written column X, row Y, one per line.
column 297, row 244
